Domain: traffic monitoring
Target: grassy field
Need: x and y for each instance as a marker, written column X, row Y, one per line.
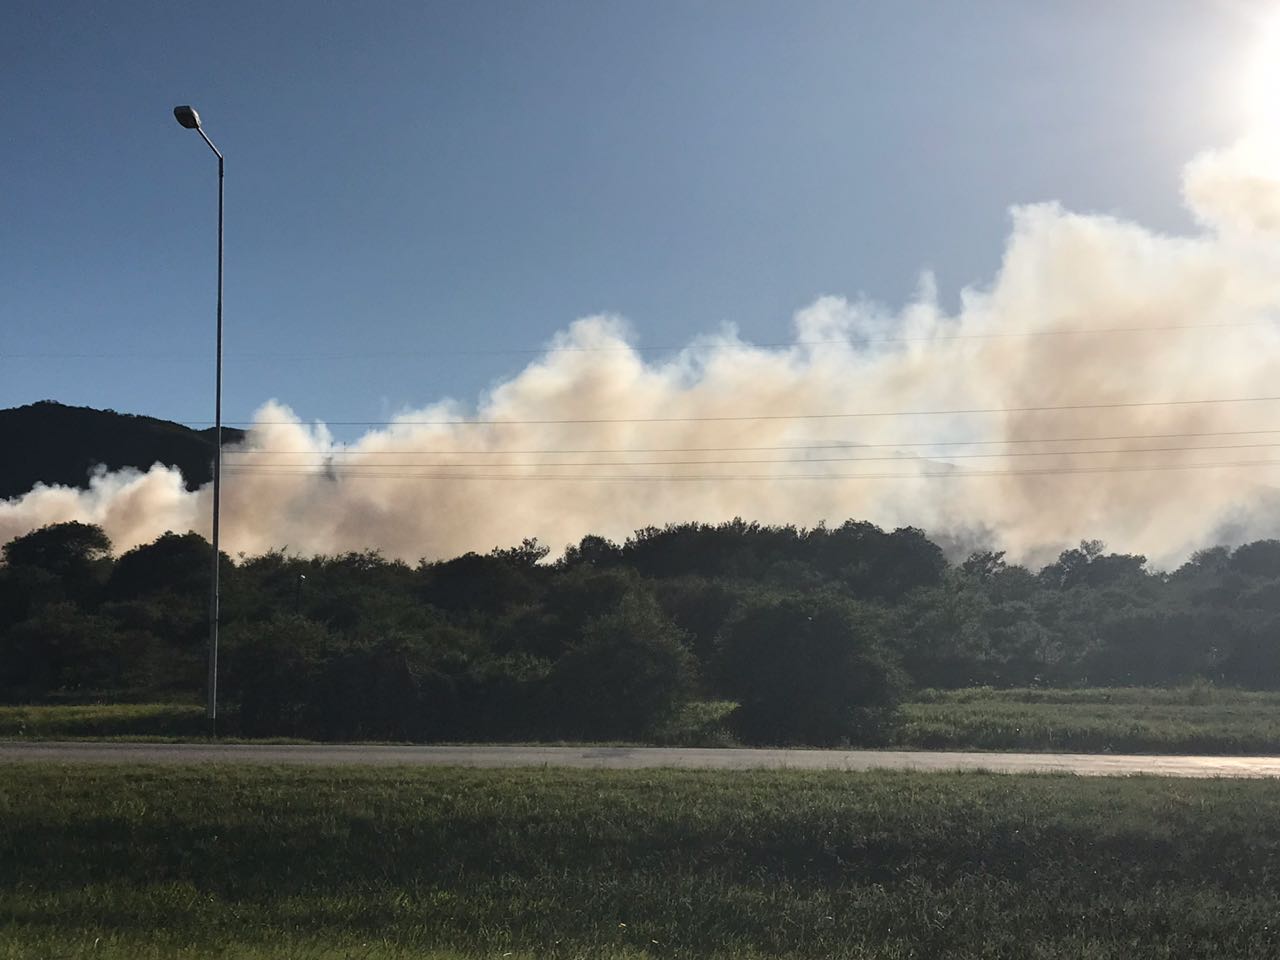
column 118, row 862
column 701, row 723
column 102, row 720
column 1196, row 719
column 1120, row 720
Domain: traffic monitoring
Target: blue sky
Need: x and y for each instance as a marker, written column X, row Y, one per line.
column 417, row 192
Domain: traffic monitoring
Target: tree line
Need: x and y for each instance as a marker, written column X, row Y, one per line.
column 815, row 634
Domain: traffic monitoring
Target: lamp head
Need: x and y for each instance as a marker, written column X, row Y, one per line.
column 187, row 116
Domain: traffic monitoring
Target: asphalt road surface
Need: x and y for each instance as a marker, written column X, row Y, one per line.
column 634, row 758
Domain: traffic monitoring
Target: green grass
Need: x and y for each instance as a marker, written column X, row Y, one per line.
column 102, row 720
column 1197, row 719
column 701, row 723
column 222, row 861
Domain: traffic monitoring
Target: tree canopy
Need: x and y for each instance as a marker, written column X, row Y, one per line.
column 813, row 633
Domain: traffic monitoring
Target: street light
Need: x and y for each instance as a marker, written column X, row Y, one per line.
column 187, row 116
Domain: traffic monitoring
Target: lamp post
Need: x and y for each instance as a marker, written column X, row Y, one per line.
column 187, row 116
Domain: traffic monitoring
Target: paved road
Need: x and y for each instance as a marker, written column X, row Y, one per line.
column 633, row 758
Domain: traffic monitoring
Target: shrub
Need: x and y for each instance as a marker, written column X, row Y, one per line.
column 63, row 649
column 389, row 689
column 628, row 673
column 274, row 669
column 809, row 669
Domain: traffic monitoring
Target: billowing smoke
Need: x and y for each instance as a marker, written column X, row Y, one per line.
column 1051, row 406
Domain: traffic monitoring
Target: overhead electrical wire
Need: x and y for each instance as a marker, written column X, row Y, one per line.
column 681, row 478
column 750, row 418
column 328, row 466
column 834, row 445
column 673, row 463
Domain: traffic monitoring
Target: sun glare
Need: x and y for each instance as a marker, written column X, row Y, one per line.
column 1262, row 79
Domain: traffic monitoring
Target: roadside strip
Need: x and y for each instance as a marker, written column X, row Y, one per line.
column 633, row 758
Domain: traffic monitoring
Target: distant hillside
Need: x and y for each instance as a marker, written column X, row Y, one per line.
column 50, row 442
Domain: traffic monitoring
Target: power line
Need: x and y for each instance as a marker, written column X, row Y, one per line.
column 835, row 445
column 535, row 351
column 681, row 478
column 745, row 418
column 674, row 463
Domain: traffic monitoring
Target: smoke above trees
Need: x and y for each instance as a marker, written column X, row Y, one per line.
column 1109, row 381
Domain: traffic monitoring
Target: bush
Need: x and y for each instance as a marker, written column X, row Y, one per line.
column 274, row 670
column 701, row 607
column 63, row 649
column 389, row 689
column 809, row 669
column 175, row 563
column 630, row 672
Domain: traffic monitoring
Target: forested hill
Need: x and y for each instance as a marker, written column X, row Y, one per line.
column 54, row 443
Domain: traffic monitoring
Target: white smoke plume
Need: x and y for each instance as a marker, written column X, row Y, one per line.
column 1173, row 318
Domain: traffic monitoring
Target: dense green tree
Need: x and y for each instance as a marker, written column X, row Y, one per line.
column 25, row 590
column 984, row 565
column 61, row 561
column 177, row 634
column 273, row 670
column 1145, row 645
column 1087, row 565
column 174, row 563
column 626, row 675
column 875, row 565
column 527, row 555
column 733, row 549
column 63, row 650
column 701, row 607
column 939, row 635
column 473, row 583
column 394, row 687
column 351, row 592
column 1258, row 559
column 1252, row 649
column 591, row 551
column 810, row 669
column 572, row 599
column 803, row 627
column 61, row 548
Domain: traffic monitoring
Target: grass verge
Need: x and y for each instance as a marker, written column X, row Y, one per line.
column 1195, row 719
column 102, row 720
column 116, row 862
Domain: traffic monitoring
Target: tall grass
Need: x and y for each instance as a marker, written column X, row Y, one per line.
column 101, row 720
column 1192, row 695
column 115, row 862
column 1197, row 719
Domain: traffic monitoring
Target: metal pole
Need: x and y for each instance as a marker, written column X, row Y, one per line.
column 214, row 591
column 186, row 116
